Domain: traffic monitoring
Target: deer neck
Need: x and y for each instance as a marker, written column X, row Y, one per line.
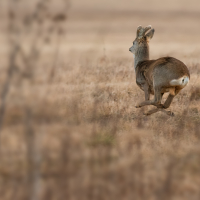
column 141, row 54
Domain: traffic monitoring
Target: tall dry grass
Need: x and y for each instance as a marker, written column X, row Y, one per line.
column 68, row 125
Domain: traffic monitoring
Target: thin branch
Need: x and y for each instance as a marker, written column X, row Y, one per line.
column 6, row 86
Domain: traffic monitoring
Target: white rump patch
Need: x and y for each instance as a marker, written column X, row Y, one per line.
column 183, row 81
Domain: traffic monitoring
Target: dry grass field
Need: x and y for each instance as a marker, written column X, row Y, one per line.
column 69, row 128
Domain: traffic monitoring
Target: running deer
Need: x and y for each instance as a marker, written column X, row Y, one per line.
column 159, row 76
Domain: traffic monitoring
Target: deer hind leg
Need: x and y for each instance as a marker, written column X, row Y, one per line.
column 162, row 107
column 156, row 101
column 166, row 105
column 172, row 94
column 168, row 112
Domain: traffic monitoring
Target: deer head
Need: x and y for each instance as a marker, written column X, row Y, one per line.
column 143, row 36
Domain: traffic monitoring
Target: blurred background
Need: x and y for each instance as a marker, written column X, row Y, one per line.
column 69, row 128
column 112, row 25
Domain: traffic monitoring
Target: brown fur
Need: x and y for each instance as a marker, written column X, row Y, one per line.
column 154, row 76
column 160, row 72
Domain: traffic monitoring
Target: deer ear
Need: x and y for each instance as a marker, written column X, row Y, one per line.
column 147, row 28
column 150, row 34
column 138, row 30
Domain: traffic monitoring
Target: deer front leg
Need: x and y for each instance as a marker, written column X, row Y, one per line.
column 146, row 92
column 156, row 101
column 166, row 105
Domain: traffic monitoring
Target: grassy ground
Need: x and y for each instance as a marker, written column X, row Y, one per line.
column 70, row 128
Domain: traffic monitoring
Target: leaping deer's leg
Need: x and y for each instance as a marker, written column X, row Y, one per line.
column 146, row 92
column 166, row 105
column 156, row 101
column 168, row 101
column 171, row 96
column 152, row 111
column 159, row 109
column 162, row 107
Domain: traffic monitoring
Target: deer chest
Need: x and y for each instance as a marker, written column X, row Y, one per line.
column 142, row 79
